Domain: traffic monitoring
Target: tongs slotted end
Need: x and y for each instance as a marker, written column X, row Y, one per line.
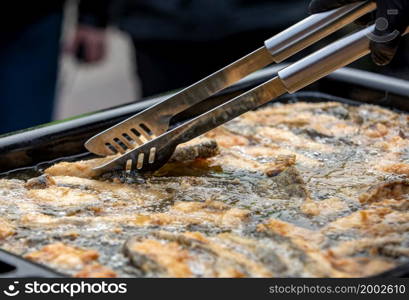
column 147, row 157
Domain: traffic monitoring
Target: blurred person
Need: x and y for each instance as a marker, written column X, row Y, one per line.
column 29, row 54
column 178, row 42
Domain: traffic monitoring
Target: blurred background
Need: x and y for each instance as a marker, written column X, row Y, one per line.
column 72, row 57
column 84, row 88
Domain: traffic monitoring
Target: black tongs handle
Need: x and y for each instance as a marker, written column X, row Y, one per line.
column 330, row 58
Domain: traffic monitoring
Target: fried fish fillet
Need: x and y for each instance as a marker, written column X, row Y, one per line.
column 71, row 258
column 290, row 190
column 198, row 148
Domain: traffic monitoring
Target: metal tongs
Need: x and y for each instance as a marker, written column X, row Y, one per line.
column 144, row 141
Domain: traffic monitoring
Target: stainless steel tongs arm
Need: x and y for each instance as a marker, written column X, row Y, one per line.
column 155, row 120
column 290, row 79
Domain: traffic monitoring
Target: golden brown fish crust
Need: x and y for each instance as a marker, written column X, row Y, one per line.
column 290, row 190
